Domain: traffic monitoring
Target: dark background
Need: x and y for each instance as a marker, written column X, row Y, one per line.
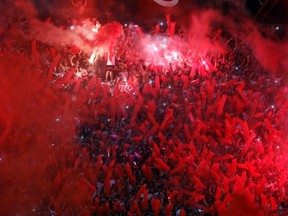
column 147, row 11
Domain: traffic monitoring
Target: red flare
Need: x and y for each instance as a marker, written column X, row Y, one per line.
column 239, row 185
column 153, row 130
column 128, row 170
column 221, row 105
column 264, row 200
column 225, row 157
column 273, row 203
column 282, row 180
column 215, row 175
column 226, row 185
column 187, row 132
column 140, row 191
column 107, row 183
column 168, row 210
column 162, row 164
column 178, row 169
column 107, row 208
column 198, row 184
column 157, row 207
column 218, row 194
column 53, row 66
column 144, row 202
column 157, row 83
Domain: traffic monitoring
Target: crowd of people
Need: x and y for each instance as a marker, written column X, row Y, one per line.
column 198, row 135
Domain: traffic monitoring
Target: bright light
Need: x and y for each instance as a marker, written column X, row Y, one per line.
column 92, row 57
column 72, row 27
column 236, row 68
column 175, row 55
column 125, row 24
column 203, row 62
column 161, row 23
column 272, row 106
column 277, row 28
column 155, row 48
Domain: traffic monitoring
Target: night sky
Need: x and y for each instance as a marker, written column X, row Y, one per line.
column 147, row 11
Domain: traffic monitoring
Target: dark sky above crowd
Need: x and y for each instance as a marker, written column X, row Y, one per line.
column 146, row 11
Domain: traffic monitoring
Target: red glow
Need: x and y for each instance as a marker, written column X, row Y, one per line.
column 189, row 125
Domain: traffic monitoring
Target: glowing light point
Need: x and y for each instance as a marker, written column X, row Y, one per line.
column 72, row 27
column 236, row 68
column 272, row 106
column 155, row 48
column 108, row 119
column 125, row 24
column 277, row 28
column 92, row 57
column 278, row 147
column 203, row 62
column 127, row 107
column 161, row 24
column 175, row 55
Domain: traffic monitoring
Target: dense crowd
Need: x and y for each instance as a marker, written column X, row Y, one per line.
column 198, row 135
